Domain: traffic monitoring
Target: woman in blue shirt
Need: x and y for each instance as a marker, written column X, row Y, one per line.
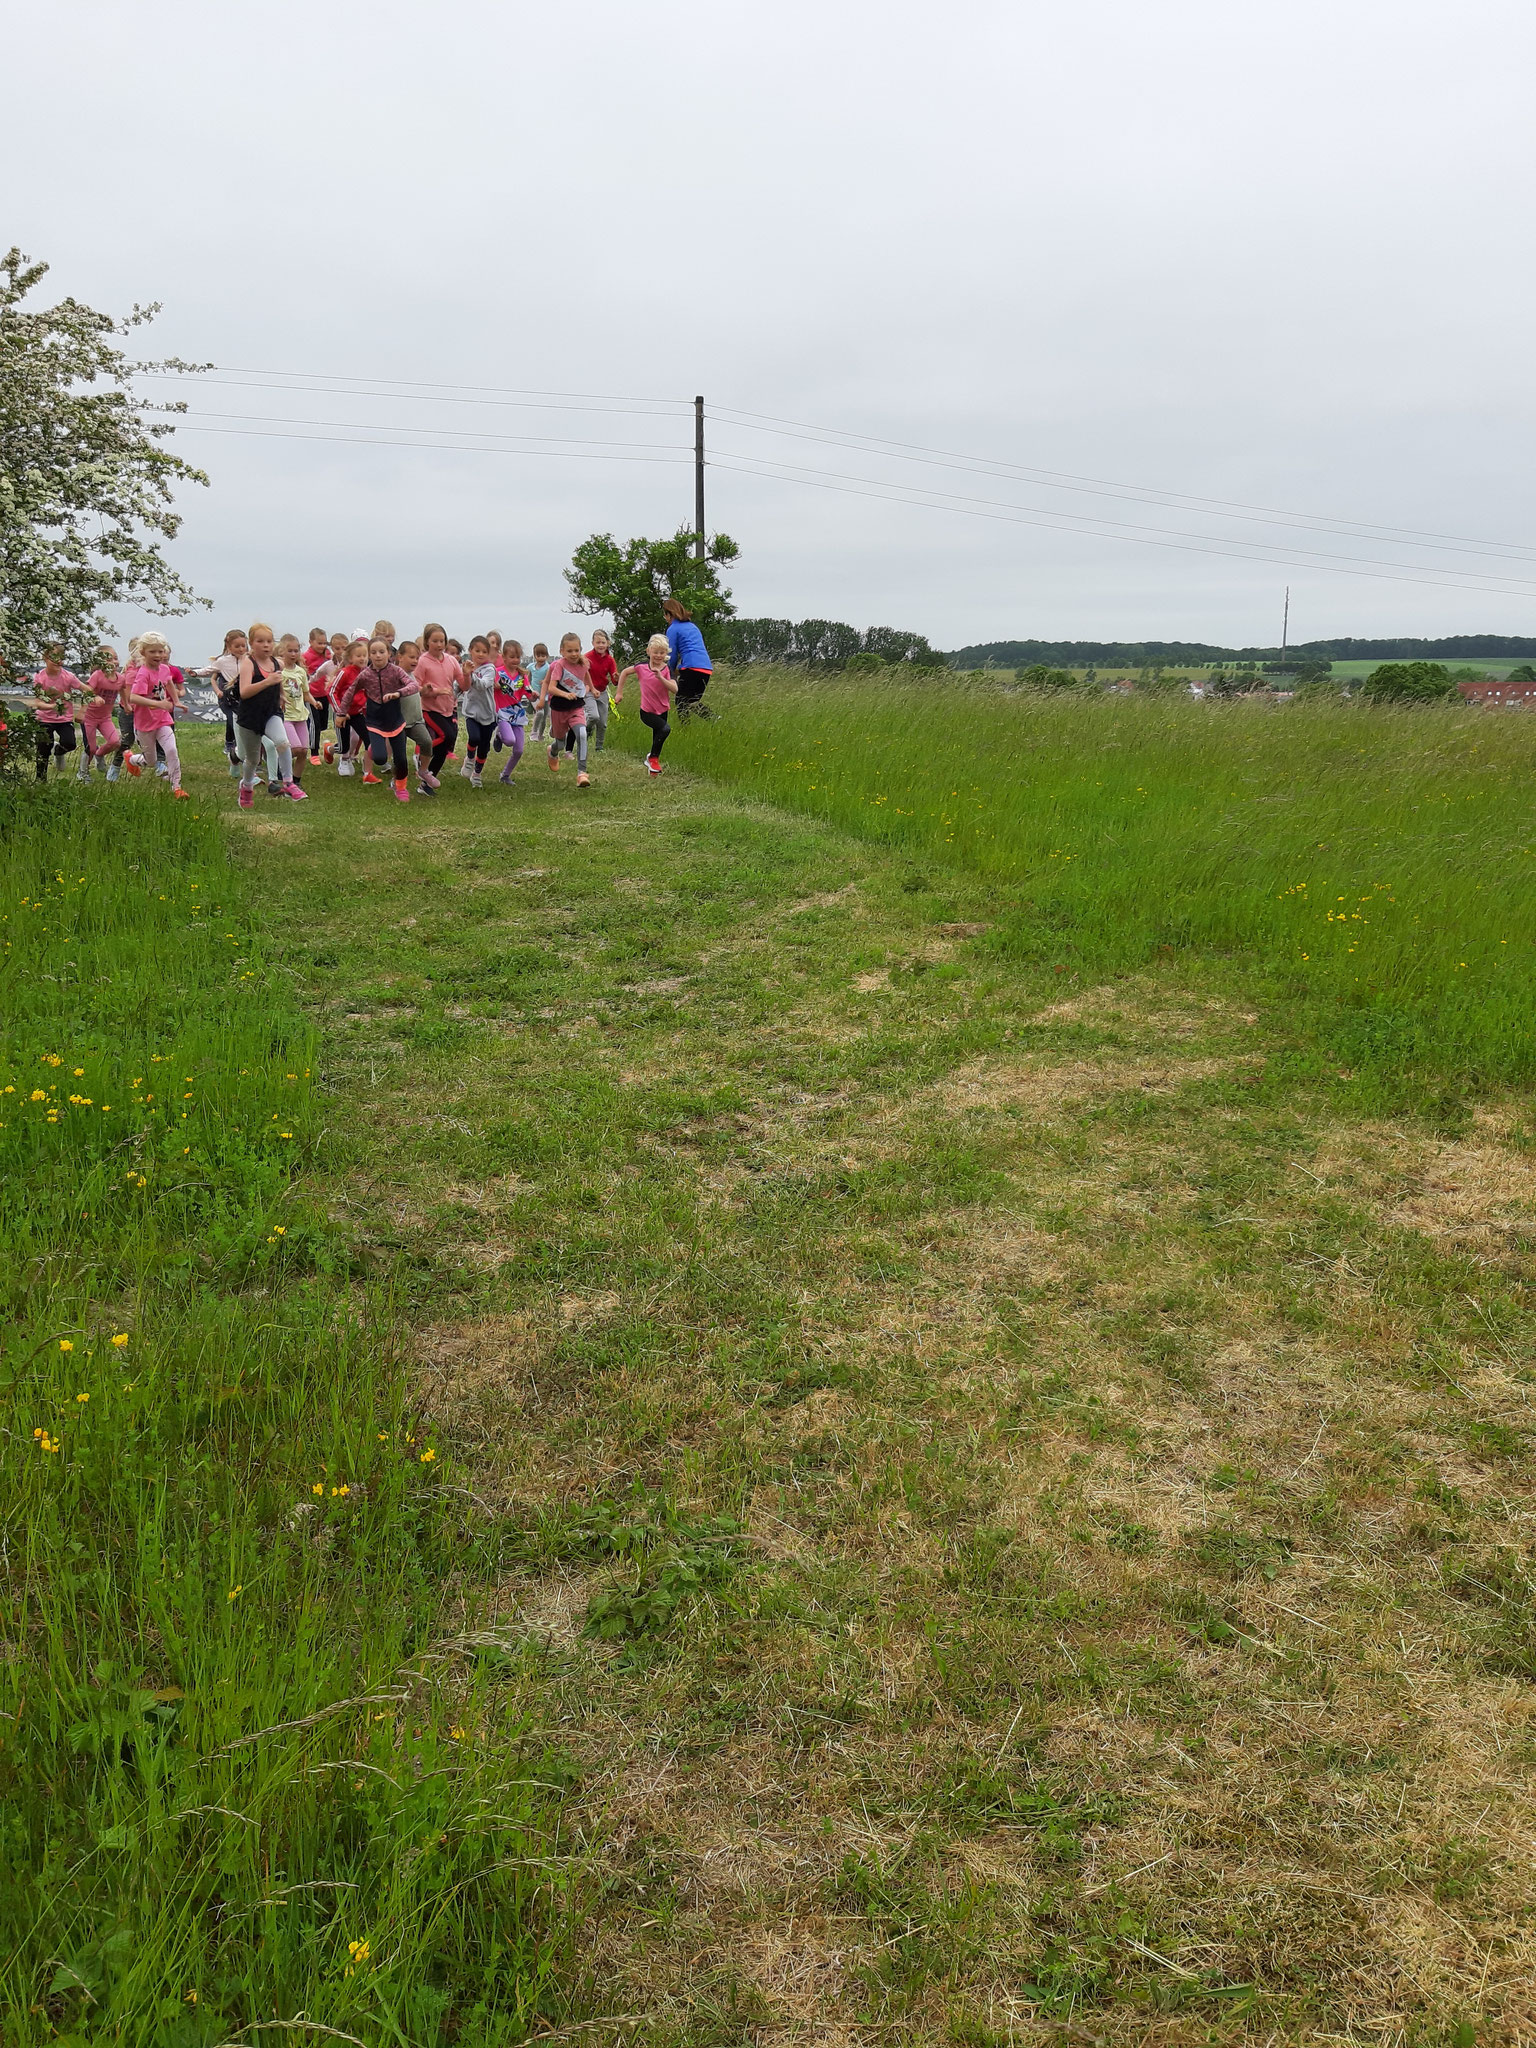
column 687, row 656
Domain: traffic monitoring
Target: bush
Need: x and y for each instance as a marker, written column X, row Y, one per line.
column 1409, row 682
column 18, row 745
column 1038, row 677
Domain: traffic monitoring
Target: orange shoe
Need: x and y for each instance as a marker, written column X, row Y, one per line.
column 182, row 793
column 371, row 777
column 583, row 779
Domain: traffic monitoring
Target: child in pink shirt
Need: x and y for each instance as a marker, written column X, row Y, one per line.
column 657, row 690
column 98, row 728
column 54, row 690
column 154, row 695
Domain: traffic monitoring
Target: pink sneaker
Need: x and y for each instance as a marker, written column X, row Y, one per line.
column 402, row 793
column 246, row 798
column 429, row 778
column 292, row 789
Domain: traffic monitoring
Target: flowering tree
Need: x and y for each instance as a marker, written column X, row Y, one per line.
column 86, row 489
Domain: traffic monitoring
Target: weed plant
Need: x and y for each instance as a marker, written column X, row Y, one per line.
column 1372, row 869
column 242, row 1781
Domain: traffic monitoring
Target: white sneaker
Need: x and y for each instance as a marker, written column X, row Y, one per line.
column 344, row 768
column 111, row 771
column 161, row 769
column 467, row 768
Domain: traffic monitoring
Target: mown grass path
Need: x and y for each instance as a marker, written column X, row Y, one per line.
column 1008, row 1512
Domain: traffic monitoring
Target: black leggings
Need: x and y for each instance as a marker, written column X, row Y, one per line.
column 382, row 745
column 660, row 726
column 691, row 685
column 444, row 728
column 319, row 719
column 52, row 739
column 480, row 734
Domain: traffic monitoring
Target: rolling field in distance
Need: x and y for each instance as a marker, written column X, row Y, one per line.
column 879, row 1392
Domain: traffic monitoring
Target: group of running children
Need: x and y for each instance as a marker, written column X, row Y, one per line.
column 362, row 700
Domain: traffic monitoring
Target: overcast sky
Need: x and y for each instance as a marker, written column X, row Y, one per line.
column 1271, row 254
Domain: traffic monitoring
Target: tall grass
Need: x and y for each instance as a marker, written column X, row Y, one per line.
column 243, row 1779
column 1373, row 869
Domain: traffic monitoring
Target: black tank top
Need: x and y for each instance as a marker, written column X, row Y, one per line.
column 255, row 710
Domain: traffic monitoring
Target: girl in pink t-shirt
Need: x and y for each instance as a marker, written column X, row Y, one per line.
column 657, row 690
column 54, row 691
column 98, row 728
column 154, row 695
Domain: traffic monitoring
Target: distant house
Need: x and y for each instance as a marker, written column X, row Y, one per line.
column 1489, row 690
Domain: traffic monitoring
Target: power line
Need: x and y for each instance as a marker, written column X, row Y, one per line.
column 330, row 390
column 498, row 390
column 367, row 426
column 1069, row 521
column 1068, row 477
column 1229, row 547
column 1181, row 547
column 1233, row 549
column 449, row 447
column 411, row 390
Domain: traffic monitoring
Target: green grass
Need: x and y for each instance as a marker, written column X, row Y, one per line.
column 218, row 1522
column 972, row 1502
column 1370, row 872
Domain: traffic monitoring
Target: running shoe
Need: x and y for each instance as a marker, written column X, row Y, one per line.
column 583, row 779
column 274, row 789
column 134, row 764
column 345, row 768
column 506, row 773
column 652, row 766
column 330, row 752
column 161, row 769
column 402, row 793
column 315, row 761
column 467, row 768
column 429, row 778
column 369, row 776
column 111, row 771
column 247, row 800
column 554, row 761
column 423, row 788
column 475, row 782
column 182, row 793
column 295, row 790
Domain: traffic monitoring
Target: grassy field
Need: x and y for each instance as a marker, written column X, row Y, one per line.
column 1372, row 873
column 979, row 1486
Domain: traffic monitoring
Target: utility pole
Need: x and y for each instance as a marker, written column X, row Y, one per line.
column 698, row 477
column 1285, row 629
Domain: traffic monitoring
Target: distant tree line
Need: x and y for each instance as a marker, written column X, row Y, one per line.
column 1019, row 654
column 827, row 643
